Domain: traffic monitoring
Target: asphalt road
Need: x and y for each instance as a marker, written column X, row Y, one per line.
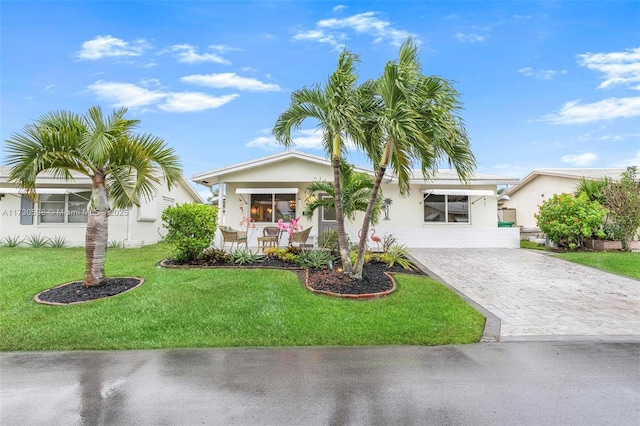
column 514, row 383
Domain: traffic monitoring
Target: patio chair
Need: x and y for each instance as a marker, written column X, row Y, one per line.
column 230, row 235
column 300, row 237
column 270, row 237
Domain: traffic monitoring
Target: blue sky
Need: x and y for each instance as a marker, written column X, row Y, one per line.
column 543, row 84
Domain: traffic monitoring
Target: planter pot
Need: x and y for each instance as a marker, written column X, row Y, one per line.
column 604, row 245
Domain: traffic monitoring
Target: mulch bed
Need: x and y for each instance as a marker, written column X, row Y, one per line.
column 75, row 292
column 374, row 281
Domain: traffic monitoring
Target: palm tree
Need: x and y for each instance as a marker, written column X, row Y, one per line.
column 411, row 118
column 123, row 167
column 356, row 192
column 337, row 111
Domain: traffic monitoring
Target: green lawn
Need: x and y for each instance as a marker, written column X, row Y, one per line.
column 623, row 263
column 189, row 308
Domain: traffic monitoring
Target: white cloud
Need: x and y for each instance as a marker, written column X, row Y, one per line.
column 186, row 53
column 327, row 30
column 223, row 48
column 585, row 159
column 470, row 38
column 339, row 8
column 320, row 36
column 619, row 68
column 540, row 74
column 607, row 109
column 194, row 101
column 135, row 96
column 309, row 139
column 125, row 94
column 108, row 46
column 229, row 79
column 51, row 88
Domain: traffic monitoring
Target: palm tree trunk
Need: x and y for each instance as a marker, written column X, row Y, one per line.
column 97, row 235
column 96, row 248
column 342, row 234
column 364, row 232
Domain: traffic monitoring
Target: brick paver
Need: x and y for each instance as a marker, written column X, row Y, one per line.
column 535, row 294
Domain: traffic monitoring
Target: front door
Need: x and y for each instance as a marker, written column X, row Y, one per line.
column 326, row 218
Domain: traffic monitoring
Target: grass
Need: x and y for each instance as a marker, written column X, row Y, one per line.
column 623, row 263
column 188, row 308
column 531, row 245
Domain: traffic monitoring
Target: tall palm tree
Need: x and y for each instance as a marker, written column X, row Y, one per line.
column 411, row 118
column 122, row 166
column 337, row 112
column 356, row 192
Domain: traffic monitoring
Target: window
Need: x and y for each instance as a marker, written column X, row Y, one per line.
column 273, row 207
column 26, row 210
column 328, row 213
column 64, row 208
column 446, row 208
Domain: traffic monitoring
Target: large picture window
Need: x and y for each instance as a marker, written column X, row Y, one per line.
column 64, row 208
column 446, row 208
column 273, row 207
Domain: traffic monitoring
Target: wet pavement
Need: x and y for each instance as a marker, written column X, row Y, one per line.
column 523, row 383
column 536, row 295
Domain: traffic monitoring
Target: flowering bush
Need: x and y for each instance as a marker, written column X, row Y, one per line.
column 568, row 220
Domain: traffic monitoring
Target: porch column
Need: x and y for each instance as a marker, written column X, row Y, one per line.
column 221, row 195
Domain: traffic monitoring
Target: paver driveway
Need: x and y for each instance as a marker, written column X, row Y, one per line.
column 535, row 294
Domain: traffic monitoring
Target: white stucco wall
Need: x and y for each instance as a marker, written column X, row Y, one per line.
column 529, row 197
column 406, row 218
column 124, row 225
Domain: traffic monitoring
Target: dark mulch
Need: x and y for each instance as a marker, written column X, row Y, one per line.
column 373, row 279
column 75, row 292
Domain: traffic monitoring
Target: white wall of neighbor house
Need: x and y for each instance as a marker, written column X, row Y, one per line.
column 527, row 200
column 132, row 227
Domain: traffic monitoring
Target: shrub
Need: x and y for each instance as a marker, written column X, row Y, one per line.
column 243, row 256
column 568, row 220
column 116, row 244
column 315, row 259
column 388, row 241
column 11, row 241
column 37, row 241
column 396, row 254
column 213, row 255
column 191, row 228
column 58, row 242
column 623, row 198
column 329, row 240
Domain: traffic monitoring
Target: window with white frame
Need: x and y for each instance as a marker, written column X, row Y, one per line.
column 272, row 207
column 64, row 208
column 446, row 208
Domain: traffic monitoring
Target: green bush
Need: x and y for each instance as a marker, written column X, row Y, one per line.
column 315, row 259
column 191, row 228
column 395, row 254
column 568, row 220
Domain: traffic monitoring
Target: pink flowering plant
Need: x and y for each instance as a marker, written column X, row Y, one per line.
column 292, row 226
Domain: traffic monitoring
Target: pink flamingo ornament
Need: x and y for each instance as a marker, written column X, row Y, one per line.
column 374, row 237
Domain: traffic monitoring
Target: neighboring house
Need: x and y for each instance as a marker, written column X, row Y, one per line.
column 62, row 206
column 440, row 212
column 540, row 185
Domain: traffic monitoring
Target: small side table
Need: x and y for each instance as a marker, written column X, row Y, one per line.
column 267, row 242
